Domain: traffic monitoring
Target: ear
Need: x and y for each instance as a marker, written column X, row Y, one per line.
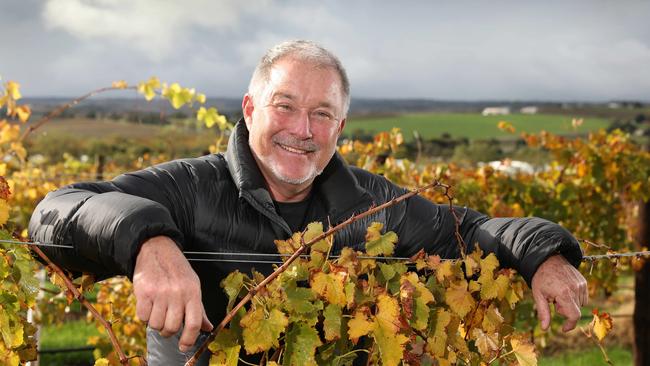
column 341, row 125
column 247, row 109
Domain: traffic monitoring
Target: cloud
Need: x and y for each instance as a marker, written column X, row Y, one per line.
column 153, row 27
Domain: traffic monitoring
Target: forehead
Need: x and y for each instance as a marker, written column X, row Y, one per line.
column 305, row 82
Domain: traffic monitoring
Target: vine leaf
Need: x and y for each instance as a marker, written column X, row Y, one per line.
column 231, row 285
column 330, row 286
column 262, row 332
column 437, row 344
column 302, row 340
column 360, row 325
column 459, row 299
column 378, row 244
column 332, row 322
column 602, row 324
column 391, row 345
column 524, row 351
column 225, row 349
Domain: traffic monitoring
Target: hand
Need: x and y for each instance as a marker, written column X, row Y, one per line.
column 168, row 291
column 559, row 282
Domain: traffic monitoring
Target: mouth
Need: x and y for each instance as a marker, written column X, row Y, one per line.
column 294, row 150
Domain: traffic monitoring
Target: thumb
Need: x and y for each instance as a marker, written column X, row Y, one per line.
column 206, row 326
column 543, row 310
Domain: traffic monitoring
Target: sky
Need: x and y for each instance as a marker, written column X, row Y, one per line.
column 447, row 50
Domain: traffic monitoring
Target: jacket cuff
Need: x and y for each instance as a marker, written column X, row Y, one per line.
column 560, row 242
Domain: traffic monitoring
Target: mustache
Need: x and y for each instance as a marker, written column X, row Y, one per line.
column 305, row 145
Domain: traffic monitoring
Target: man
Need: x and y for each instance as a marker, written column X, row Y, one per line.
column 279, row 173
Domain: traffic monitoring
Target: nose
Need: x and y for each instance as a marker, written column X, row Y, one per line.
column 301, row 126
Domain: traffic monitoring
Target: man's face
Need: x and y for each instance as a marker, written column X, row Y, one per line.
column 294, row 123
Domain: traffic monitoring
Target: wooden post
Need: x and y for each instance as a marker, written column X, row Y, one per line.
column 642, row 294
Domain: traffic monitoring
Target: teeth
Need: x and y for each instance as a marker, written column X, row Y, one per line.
column 291, row 149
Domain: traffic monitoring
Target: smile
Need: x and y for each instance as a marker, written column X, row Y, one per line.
column 293, row 149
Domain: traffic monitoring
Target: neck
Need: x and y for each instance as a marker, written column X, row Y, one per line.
column 285, row 193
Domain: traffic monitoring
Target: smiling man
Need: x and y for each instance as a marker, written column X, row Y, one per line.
column 279, row 173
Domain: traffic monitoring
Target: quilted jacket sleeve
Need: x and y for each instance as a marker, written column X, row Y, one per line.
column 107, row 221
column 519, row 243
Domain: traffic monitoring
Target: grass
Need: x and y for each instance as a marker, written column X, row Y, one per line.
column 471, row 125
column 589, row 357
column 71, row 334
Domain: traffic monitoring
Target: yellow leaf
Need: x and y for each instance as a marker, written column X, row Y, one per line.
column 388, row 313
column 459, row 299
column 330, row 286
column 444, row 270
column 359, row 325
column 9, row 133
column 489, row 263
column 491, row 288
column 4, row 212
column 102, row 362
column 602, row 324
column 506, row 126
column 290, row 245
column 12, row 89
column 492, row 319
column 485, row 343
column 148, row 89
column 12, row 331
column 23, row 113
column 120, row 84
column 524, row 351
column 262, row 332
column 19, row 150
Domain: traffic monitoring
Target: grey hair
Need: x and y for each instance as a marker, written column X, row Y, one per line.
column 301, row 50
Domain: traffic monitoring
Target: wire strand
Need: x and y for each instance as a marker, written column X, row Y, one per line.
column 585, row 258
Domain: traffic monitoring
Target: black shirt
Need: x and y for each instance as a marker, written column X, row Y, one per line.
column 295, row 213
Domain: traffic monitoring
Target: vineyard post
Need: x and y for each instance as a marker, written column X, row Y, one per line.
column 641, row 293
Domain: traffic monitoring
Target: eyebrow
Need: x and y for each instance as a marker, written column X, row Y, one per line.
column 278, row 95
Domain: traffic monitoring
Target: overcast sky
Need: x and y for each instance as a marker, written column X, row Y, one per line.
column 460, row 50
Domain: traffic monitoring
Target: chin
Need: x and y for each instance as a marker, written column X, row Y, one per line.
column 295, row 178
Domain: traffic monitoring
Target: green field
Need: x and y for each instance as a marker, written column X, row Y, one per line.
column 470, row 125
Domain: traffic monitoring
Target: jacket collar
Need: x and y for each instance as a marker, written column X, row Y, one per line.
column 337, row 185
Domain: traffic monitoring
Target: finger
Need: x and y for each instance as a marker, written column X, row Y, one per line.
column 143, row 309
column 173, row 319
column 568, row 307
column 543, row 310
column 157, row 315
column 206, row 325
column 193, row 321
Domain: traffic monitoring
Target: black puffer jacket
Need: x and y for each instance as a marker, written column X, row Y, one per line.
column 219, row 203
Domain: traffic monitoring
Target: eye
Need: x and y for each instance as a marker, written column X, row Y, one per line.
column 283, row 107
column 323, row 115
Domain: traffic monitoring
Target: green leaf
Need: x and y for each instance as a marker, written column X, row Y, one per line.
column 390, row 344
column 437, row 344
column 332, row 323
column 301, row 343
column 232, row 285
column 377, row 244
column 225, row 349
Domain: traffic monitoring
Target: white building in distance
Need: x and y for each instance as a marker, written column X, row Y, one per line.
column 531, row 109
column 495, row 111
